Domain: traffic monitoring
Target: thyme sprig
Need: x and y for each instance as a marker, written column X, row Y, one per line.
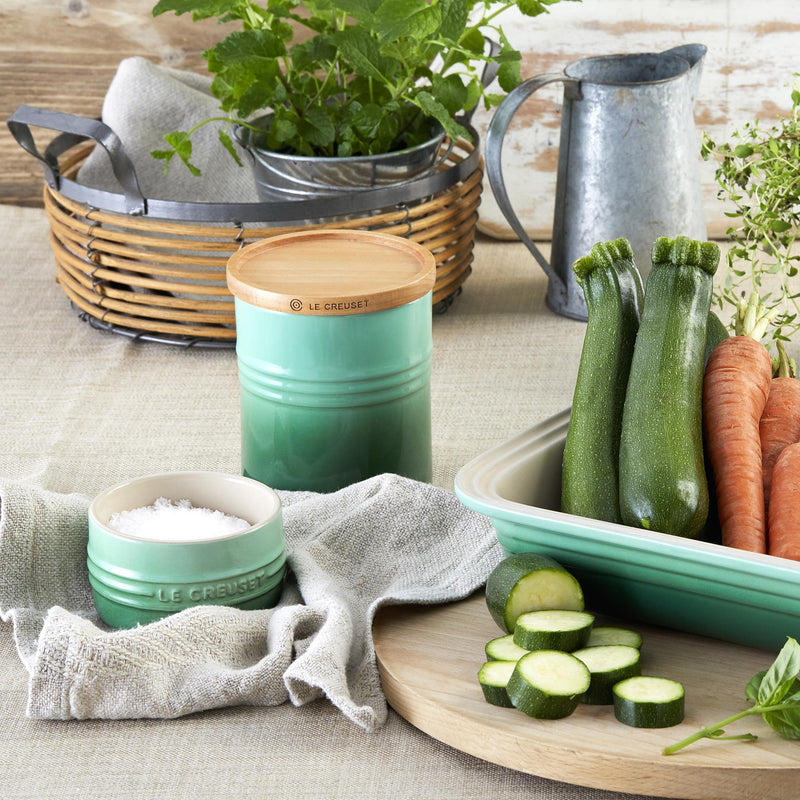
column 757, row 172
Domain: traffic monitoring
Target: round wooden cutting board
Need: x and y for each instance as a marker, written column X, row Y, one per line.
column 429, row 657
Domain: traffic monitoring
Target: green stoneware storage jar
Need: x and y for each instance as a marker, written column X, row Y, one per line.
column 143, row 572
column 334, row 351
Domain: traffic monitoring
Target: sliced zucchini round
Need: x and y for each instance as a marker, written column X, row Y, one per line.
column 608, row 664
column 493, row 677
column 547, row 684
column 529, row 582
column 556, row 629
column 503, row 649
column 648, row 702
column 610, row 634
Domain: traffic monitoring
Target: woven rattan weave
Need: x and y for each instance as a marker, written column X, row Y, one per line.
column 164, row 280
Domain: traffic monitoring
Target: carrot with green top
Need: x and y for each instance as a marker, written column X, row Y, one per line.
column 784, row 519
column 780, row 422
column 735, row 390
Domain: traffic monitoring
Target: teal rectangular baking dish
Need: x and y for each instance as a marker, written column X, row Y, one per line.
column 633, row 574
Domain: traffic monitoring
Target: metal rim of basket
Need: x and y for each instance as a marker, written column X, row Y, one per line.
column 131, row 201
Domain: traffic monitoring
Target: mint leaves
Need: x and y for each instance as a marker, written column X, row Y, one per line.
column 370, row 78
column 775, row 694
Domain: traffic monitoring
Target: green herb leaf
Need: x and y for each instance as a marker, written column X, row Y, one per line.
column 282, row 130
column 410, row 58
column 182, row 147
column 433, row 108
column 508, row 74
column 450, row 92
column 363, row 52
column 358, row 9
column 416, row 19
column 455, row 14
column 228, row 144
column 780, row 677
column 757, row 175
column 775, row 693
column 317, row 127
column 200, row 9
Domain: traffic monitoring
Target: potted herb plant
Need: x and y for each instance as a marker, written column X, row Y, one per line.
column 351, row 79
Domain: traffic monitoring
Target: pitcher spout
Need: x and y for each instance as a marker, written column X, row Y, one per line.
column 695, row 54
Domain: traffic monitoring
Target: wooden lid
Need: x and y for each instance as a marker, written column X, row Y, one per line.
column 331, row 272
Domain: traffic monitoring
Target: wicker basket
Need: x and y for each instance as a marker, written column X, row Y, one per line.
column 164, row 280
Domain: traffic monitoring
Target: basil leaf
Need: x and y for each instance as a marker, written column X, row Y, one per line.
column 785, row 723
column 751, row 690
column 780, row 677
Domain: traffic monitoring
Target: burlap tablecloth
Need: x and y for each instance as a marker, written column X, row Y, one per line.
column 82, row 410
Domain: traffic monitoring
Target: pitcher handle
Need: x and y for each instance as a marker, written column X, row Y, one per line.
column 494, row 168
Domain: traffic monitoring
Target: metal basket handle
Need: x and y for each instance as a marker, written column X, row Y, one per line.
column 81, row 128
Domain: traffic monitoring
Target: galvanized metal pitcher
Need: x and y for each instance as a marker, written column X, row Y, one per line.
column 628, row 161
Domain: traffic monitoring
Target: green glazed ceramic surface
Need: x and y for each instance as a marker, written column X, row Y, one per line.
column 333, row 400
column 136, row 580
column 689, row 585
column 334, row 341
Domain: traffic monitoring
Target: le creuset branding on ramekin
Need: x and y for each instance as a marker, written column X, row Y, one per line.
column 334, row 346
column 136, row 579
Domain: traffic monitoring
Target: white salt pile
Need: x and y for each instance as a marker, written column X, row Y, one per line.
column 177, row 521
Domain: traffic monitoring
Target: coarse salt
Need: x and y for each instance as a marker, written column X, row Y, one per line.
column 176, row 521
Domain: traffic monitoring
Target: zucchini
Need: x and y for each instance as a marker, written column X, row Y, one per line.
column 609, row 634
column 503, row 649
column 607, row 664
column 547, row 684
column 612, row 287
column 529, row 582
column 553, row 630
column 493, row 677
column 646, row 702
column 662, row 479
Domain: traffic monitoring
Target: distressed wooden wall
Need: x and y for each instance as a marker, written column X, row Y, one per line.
column 62, row 54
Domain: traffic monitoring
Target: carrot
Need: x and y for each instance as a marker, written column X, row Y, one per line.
column 735, row 389
column 780, row 422
column 784, row 520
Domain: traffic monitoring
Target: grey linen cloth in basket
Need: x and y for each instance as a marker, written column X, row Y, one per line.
column 385, row 540
column 145, row 101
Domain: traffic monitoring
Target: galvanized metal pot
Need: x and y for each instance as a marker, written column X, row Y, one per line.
column 628, row 161
column 286, row 176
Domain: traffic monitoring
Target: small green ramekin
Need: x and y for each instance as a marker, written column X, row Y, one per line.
column 137, row 580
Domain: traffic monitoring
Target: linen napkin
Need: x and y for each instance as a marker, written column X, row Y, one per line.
column 385, row 540
column 145, row 101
